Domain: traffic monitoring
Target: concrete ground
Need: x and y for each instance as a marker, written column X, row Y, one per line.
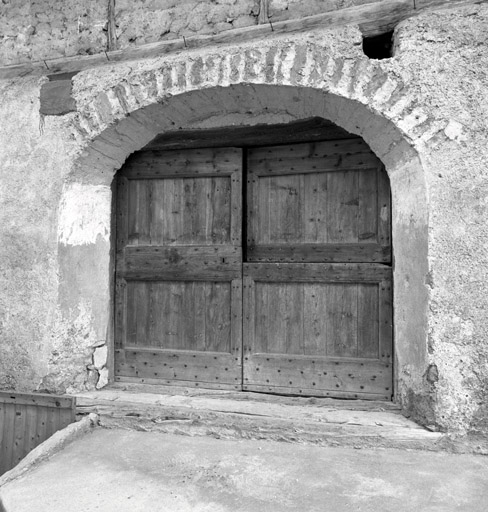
column 118, row 470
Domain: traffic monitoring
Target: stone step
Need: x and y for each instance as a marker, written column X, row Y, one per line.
column 233, row 415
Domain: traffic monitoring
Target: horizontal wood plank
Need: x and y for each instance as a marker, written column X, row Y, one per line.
column 182, row 163
column 181, row 263
column 356, row 253
column 182, row 366
column 353, row 376
column 39, row 399
column 327, row 156
column 178, row 383
column 312, row 129
column 374, row 19
column 313, row 392
column 317, row 272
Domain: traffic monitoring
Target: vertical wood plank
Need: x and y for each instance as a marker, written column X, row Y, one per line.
column 262, row 319
column 30, row 428
column 198, row 213
column 122, row 217
column 200, row 316
column 4, row 419
column 368, row 312
column 248, row 324
column 368, row 206
column 218, row 303
column 138, row 296
column 221, row 209
column 157, row 212
column 342, row 211
column 294, row 318
column 19, row 434
column 262, row 206
column 164, row 326
column 285, row 209
column 342, row 320
column 276, row 325
column 174, row 315
column 176, row 204
column 385, row 320
column 315, row 320
column 315, row 208
column 236, row 206
column 121, row 301
column 42, row 427
column 384, row 208
column 236, row 339
column 9, row 435
column 140, row 198
column 187, row 316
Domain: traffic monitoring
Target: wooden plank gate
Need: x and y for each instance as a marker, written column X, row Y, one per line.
column 256, row 268
column 27, row 420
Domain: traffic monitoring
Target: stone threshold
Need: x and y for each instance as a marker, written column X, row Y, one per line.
column 245, row 415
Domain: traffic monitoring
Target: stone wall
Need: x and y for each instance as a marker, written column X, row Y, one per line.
column 423, row 112
column 34, row 30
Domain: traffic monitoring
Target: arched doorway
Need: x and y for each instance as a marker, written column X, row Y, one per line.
column 256, row 258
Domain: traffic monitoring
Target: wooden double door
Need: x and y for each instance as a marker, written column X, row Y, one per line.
column 264, row 269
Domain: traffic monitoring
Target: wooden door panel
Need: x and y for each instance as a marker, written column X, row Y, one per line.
column 301, row 375
column 184, row 315
column 180, row 211
column 301, row 210
column 318, row 317
column 179, row 268
column 205, row 369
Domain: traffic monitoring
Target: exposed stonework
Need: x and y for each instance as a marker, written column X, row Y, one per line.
column 422, row 112
column 46, row 29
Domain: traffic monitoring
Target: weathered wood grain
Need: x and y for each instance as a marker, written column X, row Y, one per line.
column 38, row 399
column 325, row 156
column 297, row 211
column 317, row 272
column 246, row 136
column 179, row 366
column 26, row 420
column 311, row 375
column 181, row 263
column 184, row 163
column 178, row 271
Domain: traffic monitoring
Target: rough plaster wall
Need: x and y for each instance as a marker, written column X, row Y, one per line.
column 453, row 83
column 46, row 29
column 46, row 341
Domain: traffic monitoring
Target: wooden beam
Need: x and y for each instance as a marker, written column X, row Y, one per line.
column 111, row 28
column 246, row 136
column 373, row 19
column 55, row 98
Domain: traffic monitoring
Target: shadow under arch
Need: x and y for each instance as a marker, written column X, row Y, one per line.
column 253, row 104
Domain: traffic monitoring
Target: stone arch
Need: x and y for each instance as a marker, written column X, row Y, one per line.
column 183, row 95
